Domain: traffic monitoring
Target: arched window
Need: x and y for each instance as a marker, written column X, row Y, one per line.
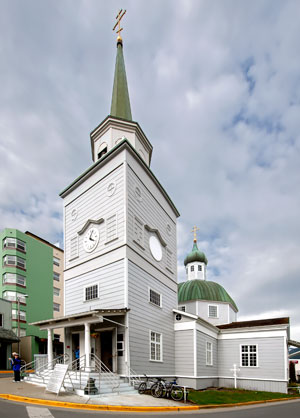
column 102, row 150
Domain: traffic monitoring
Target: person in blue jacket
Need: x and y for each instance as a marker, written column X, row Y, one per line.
column 16, row 366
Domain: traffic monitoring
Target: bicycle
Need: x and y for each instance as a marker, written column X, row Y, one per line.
column 169, row 389
column 144, row 386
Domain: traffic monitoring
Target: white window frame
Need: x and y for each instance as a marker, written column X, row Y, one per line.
column 156, row 344
column 14, row 315
column 208, row 313
column 16, row 263
column 57, row 290
column 15, row 244
column 199, row 269
column 115, row 236
column 182, row 306
column 56, row 261
column 14, row 279
column 209, row 352
column 58, row 304
column 160, row 297
column 12, row 296
column 256, row 352
column 22, row 331
column 192, row 268
column 57, row 280
column 84, row 292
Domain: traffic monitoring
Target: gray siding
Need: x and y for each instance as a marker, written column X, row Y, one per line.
column 144, row 316
column 94, row 203
column 202, row 368
column 149, row 212
column 271, row 358
column 184, row 352
column 111, row 289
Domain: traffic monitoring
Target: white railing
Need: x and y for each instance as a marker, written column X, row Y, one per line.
column 133, row 378
column 111, row 378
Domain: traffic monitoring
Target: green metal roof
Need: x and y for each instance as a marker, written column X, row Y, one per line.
column 203, row 290
column 195, row 255
column 120, row 103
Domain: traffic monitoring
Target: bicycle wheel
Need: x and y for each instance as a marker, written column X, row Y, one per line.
column 157, row 390
column 142, row 387
column 177, row 393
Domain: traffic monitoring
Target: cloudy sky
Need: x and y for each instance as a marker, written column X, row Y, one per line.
column 215, row 85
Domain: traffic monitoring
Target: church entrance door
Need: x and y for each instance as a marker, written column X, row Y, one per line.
column 106, row 349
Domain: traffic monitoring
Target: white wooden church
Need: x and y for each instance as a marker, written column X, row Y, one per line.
column 123, row 303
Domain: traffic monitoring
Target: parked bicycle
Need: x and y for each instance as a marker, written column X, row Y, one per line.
column 167, row 389
column 147, row 384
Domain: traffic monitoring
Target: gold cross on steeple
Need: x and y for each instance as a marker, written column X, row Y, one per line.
column 194, row 230
column 119, row 18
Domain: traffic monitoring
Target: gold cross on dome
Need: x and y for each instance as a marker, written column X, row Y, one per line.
column 194, row 230
column 118, row 23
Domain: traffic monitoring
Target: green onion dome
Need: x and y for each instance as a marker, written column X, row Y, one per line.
column 195, row 255
column 203, row 290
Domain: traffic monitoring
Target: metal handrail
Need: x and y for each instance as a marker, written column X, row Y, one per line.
column 101, row 368
column 50, row 365
column 133, row 378
column 27, row 366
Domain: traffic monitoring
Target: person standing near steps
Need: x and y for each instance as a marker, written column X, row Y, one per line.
column 16, row 366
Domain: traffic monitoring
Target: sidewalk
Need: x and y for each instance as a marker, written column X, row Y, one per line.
column 27, row 390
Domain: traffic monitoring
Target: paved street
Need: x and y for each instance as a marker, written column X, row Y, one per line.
column 278, row 410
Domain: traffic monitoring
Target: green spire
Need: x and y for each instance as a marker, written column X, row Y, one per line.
column 120, row 104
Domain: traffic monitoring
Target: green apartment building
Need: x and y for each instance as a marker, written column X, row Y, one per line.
column 27, row 280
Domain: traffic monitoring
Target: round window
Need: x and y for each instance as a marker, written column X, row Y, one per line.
column 178, row 317
column 155, row 248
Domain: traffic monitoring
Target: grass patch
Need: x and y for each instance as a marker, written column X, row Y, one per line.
column 228, row 396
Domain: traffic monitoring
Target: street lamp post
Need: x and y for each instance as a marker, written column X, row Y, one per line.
column 18, row 301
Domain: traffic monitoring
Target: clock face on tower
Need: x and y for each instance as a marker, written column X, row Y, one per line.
column 91, row 239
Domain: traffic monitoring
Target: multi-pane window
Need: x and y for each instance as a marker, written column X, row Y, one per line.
column 182, row 308
column 14, row 278
column 91, row 292
column 56, row 276
column 56, row 291
column 14, row 243
column 192, row 268
column 22, row 332
column 56, row 307
column 199, row 267
column 155, row 346
column 56, row 261
column 14, row 296
column 249, row 355
column 22, row 315
column 154, row 297
column 209, row 354
column 213, row 311
column 111, row 228
column 73, row 248
column 138, row 230
column 14, row 261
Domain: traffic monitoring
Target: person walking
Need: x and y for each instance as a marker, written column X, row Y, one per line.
column 16, row 366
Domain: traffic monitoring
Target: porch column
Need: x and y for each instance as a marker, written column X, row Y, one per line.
column 87, row 345
column 50, row 348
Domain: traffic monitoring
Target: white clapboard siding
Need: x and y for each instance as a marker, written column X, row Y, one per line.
column 144, row 316
column 111, row 289
column 270, row 355
column 95, row 203
column 149, row 211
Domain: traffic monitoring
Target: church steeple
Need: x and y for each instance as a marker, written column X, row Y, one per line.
column 120, row 103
